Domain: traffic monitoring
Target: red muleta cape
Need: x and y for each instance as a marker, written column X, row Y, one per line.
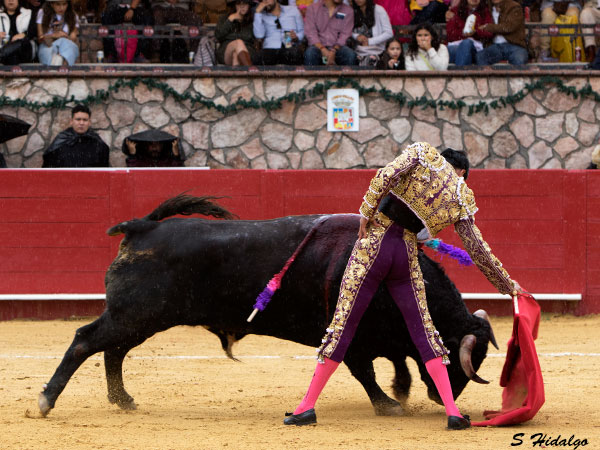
column 523, row 394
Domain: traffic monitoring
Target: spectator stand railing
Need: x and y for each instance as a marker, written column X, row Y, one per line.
column 96, row 32
column 91, row 35
column 532, row 29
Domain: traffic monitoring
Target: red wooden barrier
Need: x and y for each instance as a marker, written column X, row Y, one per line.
column 543, row 225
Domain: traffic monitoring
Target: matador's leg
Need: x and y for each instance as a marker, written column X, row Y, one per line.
column 368, row 265
column 405, row 283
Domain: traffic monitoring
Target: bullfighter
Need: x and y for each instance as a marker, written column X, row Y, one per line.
column 420, row 188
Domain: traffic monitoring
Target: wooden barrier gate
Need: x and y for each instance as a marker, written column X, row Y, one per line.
column 544, row 225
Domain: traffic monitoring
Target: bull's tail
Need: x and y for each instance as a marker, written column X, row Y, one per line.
column 182, row 204
column 186, row 205
column 265, row 296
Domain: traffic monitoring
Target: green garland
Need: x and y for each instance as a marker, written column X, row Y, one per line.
column 300, row 96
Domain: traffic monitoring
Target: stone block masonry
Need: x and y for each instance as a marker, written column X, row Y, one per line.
column 547, row 129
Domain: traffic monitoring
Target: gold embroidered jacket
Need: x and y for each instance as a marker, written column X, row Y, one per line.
column 422, row 179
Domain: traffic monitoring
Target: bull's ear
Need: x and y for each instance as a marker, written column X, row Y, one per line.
column 482, row 314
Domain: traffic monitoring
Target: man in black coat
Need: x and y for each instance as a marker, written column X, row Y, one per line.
column 77, row 146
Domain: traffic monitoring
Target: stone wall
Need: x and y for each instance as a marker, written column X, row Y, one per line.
column 547, row 129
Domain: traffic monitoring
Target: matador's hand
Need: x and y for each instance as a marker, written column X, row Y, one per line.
column 362, row 230
column 518, row 289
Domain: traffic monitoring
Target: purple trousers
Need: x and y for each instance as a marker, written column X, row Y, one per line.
column 388, row 254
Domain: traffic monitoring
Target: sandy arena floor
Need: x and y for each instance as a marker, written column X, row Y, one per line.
column 190, row 397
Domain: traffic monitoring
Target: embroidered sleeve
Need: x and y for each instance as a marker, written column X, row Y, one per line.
column 384, row 180
column 466, row 199
column 482, row 255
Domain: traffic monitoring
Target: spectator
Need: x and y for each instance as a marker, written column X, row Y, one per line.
column 590, row 15
column 153, row 148
column 281, row 27
column 174, row 11
column 595, row 64
column 33, row 5
column 328, row 25
column 78, row 145
column 425, row 52
column 184, row 5
column 234, row 35
column 432, row 11
column 127, row 11
column 57, row 26
column 397, row 11
column 17, row 25
column 372, row 29
column 550, row 10
column 595, row 164
column 463, row 47
column 508, row 30
column 392, row 58
column 92, row 9
column 301, row 5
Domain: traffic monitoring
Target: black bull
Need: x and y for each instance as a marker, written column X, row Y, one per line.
column 188, row 271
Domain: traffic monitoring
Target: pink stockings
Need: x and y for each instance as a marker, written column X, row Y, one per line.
column 439, row 374
column 318, row 382
column 436, row 369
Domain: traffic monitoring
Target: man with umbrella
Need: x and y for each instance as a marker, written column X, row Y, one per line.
column 78, row 145
column 10, row 128
column 153, row 148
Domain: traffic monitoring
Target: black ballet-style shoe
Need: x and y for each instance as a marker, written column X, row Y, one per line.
column 307, row 417
column 459, row 423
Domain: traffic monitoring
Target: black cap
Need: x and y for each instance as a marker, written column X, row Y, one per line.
column 152, row 136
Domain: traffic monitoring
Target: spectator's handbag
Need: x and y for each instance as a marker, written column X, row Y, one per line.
column 205, row 54
column 368, row 60
column 23, row 47
column 126, row 47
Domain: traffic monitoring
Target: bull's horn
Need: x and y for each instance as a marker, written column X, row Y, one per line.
column 481, row 313
column 466, row 348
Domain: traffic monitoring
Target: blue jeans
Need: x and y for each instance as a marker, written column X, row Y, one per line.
column 462, row 54
column 514, row 54
column 345, row 56
column 63, row 46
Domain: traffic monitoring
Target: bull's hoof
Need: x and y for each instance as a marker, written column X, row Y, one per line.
column 127, row 406
column 44, row 404
column 125, row 402
column 389, row 409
